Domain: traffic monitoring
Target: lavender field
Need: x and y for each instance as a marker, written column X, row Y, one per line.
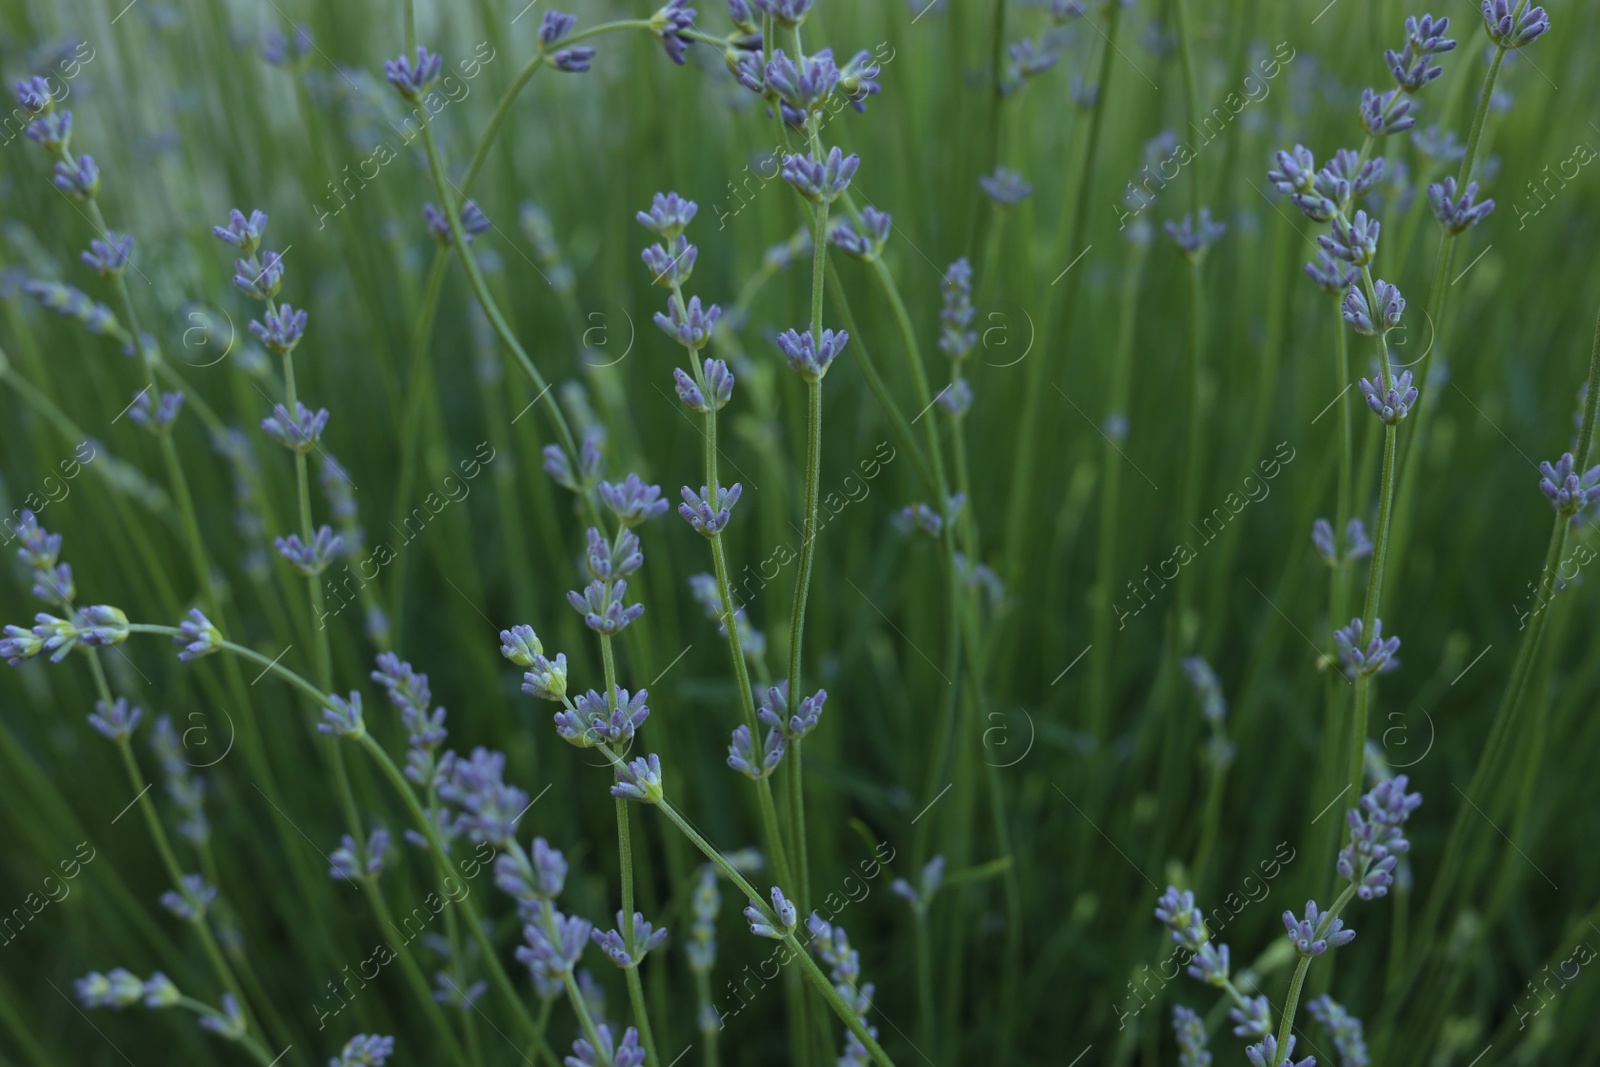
column 949, row 531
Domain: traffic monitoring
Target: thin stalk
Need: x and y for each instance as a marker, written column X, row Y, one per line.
column 1292, row 1002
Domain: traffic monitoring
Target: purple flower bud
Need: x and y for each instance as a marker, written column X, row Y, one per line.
column 786, row 13
column 554, row 958
column 1376, row 656
column 198, row 636
column 1307, row 939
column 668, row 25
column 241, row 232
column 365, row 1050
column 806, row 357
column 706, row 516
column 299, row 432
column 804, row 86
column 863, row 240
column 1510, row 28
column 1568, row 492
column 783, row 912
column 743, row 757
column 280, row 330
column 601, row 606
column 1332, row 277
column 52, row 130
column 79, row 179
column 615, row 945
column 117, row 721
column 640, row 780
column 1457, row 215
column 311, row 560
column 821, row 181
column 1296, row 171
column 627, row 1054
column 1391, row 404
column 1252, row 1020
column 109, row 258
column 690, row 327
column 1266, row 1054
column 35, row 95
column 1193, row 240
column 556, row 25
column 669, row 215
column 342, row 718
column 573, row 60
column 1391, row 305
column 1345, row 1028
column 859, row 79
column 1425, row 39
column 1385, row 113
column 671, row 266
column 473, row 222
column 1005, row 186
column 632, row 501
column 412, row 79
column 1356, row 243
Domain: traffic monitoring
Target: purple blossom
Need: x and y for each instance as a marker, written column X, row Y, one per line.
column 1510, row 28
column 690, row 327
column 311, row 560
column 821, row 181
column 786, row 13
column 1358, row 313
column 1265, row 1054
column 191, row 903
column 1192, row 240
column 52, row 130
column 595, row 718
column 743, row 757
column 109, row 258
column 633, row 501
column 1457, row 215
column 601, row 606
column 79, row 178
column 1005, row 186
column 1424, row 40
column 119, row 989
column 1360, row 660
column 350, row 862
column 717, row 378
column 956, row 336
column 198, row 636
column 573, row 60
column 231, row 1025
column 556, row 25
column 640, row 780
column 708, row 517
column 858, row 79
column 473, row 222
column 1567, row 490
column 668, row 25
column 411, row 79
column 615, row 945
column 863, row 239
column 783, row 911
column 342, row 717
column 627, row 1054
column 539, row 878
column 806, row 357
column 489, row 808
column 1386, row 113
column 806, row 85
column 1355, row 242
column 1310, row 940
column 40, row 548
column 554, row 957
column 241, row 232
column 772, row 708
column 298, row 432
column 117, row 721
column 280, row 330
column 365, row 1050
column 1332, row 276
column 259, row 279
column 1391, row 404
column 35, row 95
column 673, row 265
column 669, row 215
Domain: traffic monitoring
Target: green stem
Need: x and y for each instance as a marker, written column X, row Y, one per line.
column 1292, row 1002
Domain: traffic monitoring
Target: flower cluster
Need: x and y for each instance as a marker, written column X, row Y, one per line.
column 616, row 945
column 259, row 275
column 612, row 719
column 121, row 989
column 1190, row 1031
column 1356, row 544
column 1346, row 1029
column 76, row 304
column 556, row 25
column 1187, row 927
column 1193, row 236
column 956, row 335
column 191, row 899
column 487, row 809
column 313, row 558
column 783, row 913
column 94, row 627
column 1568, row 491
column 708, row 513
column 743, row 757
column 1391, row 404
column 1316, row 933
column 115, row 721
column 1005, row 187
column 1366, row 319
column 1376, row 837
column 351, row 862
column 671, row 263
column 40, row 552
column 830, row 942
column 772, row 709
column 928, row 883
column 1375, row 657
column 1512, row 25
column 186, row 790
column 626, row 1054
column 546, row 678
column 364, row 1050
column 810, row 356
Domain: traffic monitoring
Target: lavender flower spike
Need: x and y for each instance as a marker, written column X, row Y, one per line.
column 243, row 233
column 671, row 266
column 690, row 327
column 342, row 718
column 669, row 215
column 709, row 517
column 668, row 25
column 632, row 501
column 157, row 416
column 365, row 1050
column 311, row 560
column 413, row 79
column 743, row 757
column 109, row 258
column 640, row 780
column 1457, row 216
column 1357, row 312
column 783, row 912
column 865, row 240
column 280, row 330
column 556, row 25
column 1345, row 1028
column 1005, row 186
column 806, row 357
column 1391, row 404
column 1308, row 939
column 1424, row 39
column 614, row 944
column 299, row 432
column 1192, row 239
column 1567, row 491
column 1355, row 243
column 1266, row 1054
column 1386, row 113
column 718, row 381
column 1512, row 25
column 601, row 606
column 79, row 179
column 473, row 222
column 1190, row 1032
column 1364, row 661
column 821, row 181
column 198, row 636
column 116, row 722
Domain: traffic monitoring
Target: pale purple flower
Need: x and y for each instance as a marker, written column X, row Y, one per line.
column 540, row 877
column 117, row 721
column 743, row 757
column 241, row 232
column 1425, row 39
column 691, row 327
column 668, row 25
column 488, row 807
column 615, row 945
column 1391, row 404
column 118, row 989
column 109, row 258
column 669, row 215
column 806, row 85
column 1345, row 1029
column 864, row 239
column 1355, row 243
column 821, row 181
column 601, row 606
column 198, row 636
column 671, row 265
column 473, row 222
column 1358, row 313
column 342, row 717
column 706, row 515
column 1362, row 657
column 191, row 903
column 1386, row 113
column 783, row 911
column 858, row 79
column 1567, row 490
column 411, row 79
column 640, row 780
column 631, row 500
column 364, row 1050
column 311, row 559
column 1308, row 939
column 1457, row 215
column 1510, row 27
column 717, row 378
column 79, row 179
column 627, row 1054
column 52, row 130
column 1266, row 1054
column 298, row 432
column 806, row 357
column 1192, row 239
column 1005, row 186
column 280, row 330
